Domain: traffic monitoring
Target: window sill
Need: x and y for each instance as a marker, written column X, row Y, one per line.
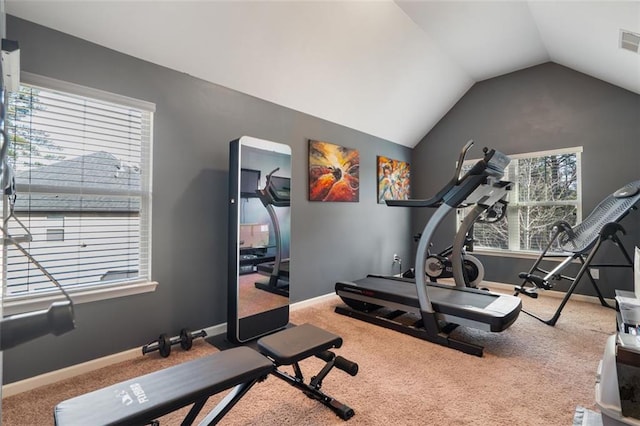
column 518, row 254
column 22, row 304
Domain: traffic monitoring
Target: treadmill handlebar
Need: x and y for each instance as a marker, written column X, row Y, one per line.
column 416, row 202
column 437, row 199
column 492, row 164
column 277, row 190
column 272, row 172
column 461, row 157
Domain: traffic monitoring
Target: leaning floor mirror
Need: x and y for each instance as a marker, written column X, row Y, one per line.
column 259, row 238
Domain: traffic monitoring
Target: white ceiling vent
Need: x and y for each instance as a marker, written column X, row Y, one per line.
column 630, row 41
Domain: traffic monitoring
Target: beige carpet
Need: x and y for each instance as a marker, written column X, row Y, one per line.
column 253, row 300
column 531, row 374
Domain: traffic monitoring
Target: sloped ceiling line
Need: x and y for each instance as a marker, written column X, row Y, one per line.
column 389, row 69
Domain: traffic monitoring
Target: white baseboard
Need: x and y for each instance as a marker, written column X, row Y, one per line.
column 68, row 372
column 86, row 367
column 310, row 302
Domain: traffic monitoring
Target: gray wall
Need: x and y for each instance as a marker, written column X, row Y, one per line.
column 193, row 125
column 541, row 108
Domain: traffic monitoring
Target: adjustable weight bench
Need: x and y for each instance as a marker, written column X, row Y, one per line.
column 144, row 399
column 290, row 346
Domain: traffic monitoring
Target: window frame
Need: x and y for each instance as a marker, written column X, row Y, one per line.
column 512, row 206
column 16, row 304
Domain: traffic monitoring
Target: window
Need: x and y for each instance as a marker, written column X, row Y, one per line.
column 82, row 164
column 546, row 188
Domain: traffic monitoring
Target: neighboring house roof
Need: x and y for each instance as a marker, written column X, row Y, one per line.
column 97, row 182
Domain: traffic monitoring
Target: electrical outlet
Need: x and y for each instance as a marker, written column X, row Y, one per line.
column 595, row 273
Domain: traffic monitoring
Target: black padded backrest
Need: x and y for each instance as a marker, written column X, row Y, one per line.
column 611, row 209
column 145, row 398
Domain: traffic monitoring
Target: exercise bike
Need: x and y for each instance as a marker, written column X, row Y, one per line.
column 438, row 265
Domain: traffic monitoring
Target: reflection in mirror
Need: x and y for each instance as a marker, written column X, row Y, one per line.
column 259, row 238
column 276, row 193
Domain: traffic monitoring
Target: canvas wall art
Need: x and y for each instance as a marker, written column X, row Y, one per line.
column 393, row 179
column 334, row 172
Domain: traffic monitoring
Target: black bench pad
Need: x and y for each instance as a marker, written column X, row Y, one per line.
column 297, row 343
column 145, row 398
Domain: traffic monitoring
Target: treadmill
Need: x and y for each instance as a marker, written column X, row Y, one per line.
column 276, row 193
column 440, row 308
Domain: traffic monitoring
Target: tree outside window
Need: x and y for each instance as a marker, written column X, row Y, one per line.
column 546, row 188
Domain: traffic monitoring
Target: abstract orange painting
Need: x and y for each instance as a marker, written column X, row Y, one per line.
column 334, row 172
column 393, row 179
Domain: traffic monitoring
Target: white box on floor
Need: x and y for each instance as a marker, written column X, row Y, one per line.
column 607, row 392
column 254, row 235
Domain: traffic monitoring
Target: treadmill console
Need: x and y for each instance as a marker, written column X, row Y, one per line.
column 280, row 188
column 498, row 163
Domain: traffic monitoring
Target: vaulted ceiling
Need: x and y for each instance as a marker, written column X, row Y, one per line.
column 391, row 69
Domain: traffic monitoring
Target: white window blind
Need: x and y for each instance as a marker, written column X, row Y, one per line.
column 83, row 157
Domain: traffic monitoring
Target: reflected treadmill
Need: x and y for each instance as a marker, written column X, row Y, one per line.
column 277, row 192
column 440, row 308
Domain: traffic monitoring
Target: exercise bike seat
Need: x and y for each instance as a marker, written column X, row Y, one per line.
column 297, row 343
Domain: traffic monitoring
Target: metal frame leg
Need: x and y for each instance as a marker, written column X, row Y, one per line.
column 223, row 406
column 608, row 232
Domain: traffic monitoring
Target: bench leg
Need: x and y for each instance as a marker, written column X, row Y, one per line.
column 193, row 413
column 223, row 406
column 342, row 410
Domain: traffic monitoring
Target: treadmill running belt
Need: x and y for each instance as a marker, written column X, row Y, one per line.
column 495, row 310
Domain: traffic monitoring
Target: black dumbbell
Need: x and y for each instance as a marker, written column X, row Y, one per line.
column 186, row 338
column 164, row 343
